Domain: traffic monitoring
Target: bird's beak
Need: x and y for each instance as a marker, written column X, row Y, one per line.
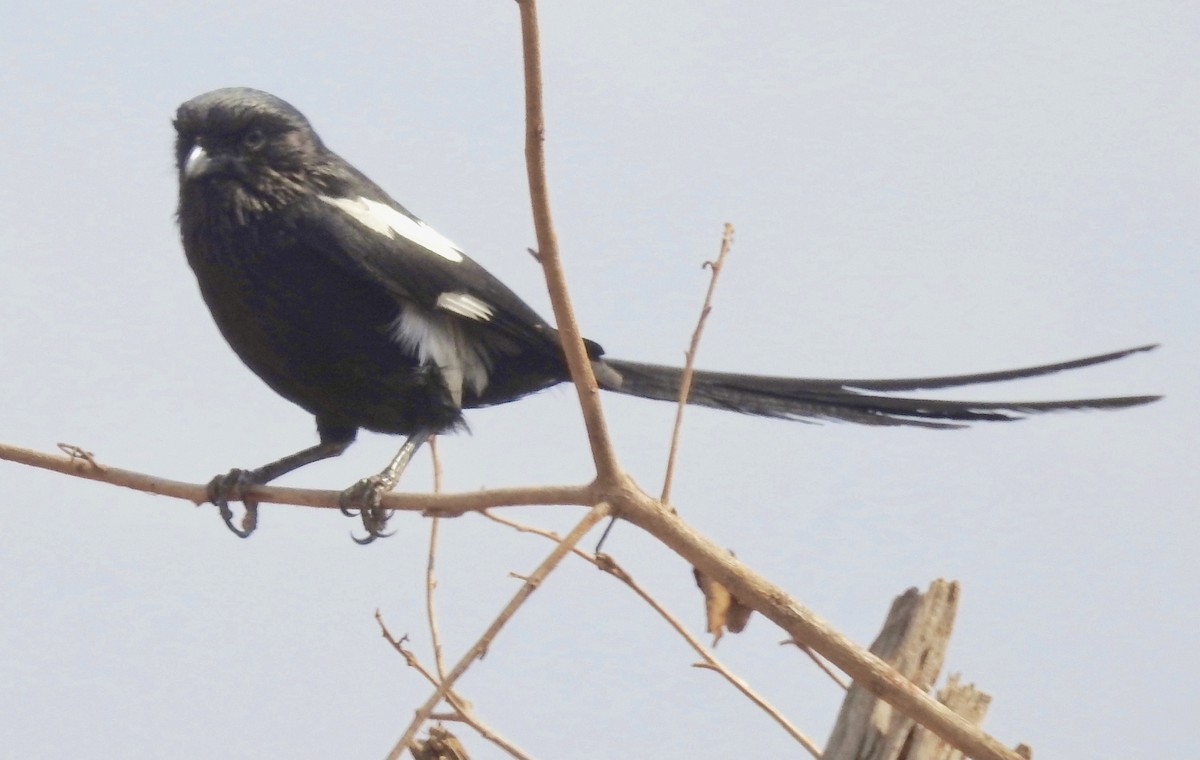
column 197, row 164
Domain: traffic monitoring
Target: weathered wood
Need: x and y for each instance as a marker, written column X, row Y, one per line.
column 963, row 699
column 913, row 641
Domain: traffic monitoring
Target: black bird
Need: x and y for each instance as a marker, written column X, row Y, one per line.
column 355, row 310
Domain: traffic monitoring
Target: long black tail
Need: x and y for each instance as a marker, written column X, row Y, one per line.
column 844, row 400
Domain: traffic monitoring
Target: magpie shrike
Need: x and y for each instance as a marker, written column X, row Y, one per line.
column 352, row 308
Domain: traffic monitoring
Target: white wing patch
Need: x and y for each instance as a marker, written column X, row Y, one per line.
column 438, row 339
column 465, row 305
column 389, row 222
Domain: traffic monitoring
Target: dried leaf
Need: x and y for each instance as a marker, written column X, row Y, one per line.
column 441, row 745
column 722, row 611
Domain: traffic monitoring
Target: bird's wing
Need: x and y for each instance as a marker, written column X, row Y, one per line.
column 369, row 234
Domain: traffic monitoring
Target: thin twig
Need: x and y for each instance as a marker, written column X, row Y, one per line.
column 816, row 658
column 685, row 382
column 480, row 647
column 435, row 637
column 607, row 564
column 803, row 625
column 607, row 468
column 463, row 711
column 75, row 452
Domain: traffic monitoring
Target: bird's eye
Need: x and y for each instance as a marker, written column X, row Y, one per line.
column 254, row 139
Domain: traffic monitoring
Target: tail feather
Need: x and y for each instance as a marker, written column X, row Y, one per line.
column 814, row 399
column 951, row 381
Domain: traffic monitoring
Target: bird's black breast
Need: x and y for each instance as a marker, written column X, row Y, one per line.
column 315, row 332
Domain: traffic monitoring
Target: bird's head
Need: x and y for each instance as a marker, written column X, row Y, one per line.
column 245, row 142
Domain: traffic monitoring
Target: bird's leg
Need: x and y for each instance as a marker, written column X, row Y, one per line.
column 366, row 494
column 232, row 486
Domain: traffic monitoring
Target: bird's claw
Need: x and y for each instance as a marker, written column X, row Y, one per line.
column 363, row 498
column 232, row 487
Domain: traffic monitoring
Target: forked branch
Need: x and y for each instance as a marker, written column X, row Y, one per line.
column 634, row 505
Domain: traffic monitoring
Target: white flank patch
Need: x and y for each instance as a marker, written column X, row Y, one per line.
column 465, row 305
column 438, row 339
column 388, row 221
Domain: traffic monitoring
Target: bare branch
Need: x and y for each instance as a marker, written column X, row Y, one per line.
column 578, row 362
column 816, row 658
column 685, row 385
column 480, row 647
column 435, row 637
column 462, row 709
column 709, row 659
column 607, row 564
column 647, row 513
column 448, row 505
column 807, row 629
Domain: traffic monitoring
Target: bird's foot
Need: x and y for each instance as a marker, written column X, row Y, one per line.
column 364, row 498
column 232, row 486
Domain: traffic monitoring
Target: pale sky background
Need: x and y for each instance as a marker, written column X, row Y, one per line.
column 918, row 188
